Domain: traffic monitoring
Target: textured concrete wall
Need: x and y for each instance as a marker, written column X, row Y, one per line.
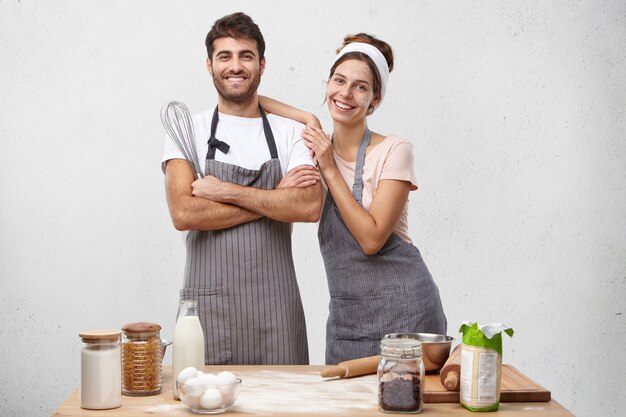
column 515, row 110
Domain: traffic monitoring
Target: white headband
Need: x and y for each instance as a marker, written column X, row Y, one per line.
column 375, row 55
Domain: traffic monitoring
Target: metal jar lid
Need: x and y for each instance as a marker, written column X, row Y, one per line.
column 401, row 345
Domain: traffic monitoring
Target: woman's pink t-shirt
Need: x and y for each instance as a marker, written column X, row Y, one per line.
column 391, row 159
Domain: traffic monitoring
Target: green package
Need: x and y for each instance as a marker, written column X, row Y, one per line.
column 481, row 365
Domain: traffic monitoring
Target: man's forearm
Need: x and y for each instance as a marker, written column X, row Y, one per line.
column 201, row 214
column 285, row 204
column 194, row 213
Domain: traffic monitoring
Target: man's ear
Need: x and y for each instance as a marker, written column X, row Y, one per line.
column 262, row 65
column 209, row 66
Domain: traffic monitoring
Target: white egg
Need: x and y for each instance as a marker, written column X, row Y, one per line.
column 226, row 381
column 194, row 387
column 185, row 374
column 210, row 380
column 225, row 378
column 228, row 397
column 211, row 399
column 191, row 402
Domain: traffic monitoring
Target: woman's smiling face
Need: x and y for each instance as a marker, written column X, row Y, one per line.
column 350, row 93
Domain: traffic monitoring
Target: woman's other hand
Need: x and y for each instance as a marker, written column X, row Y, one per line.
column 321, row 145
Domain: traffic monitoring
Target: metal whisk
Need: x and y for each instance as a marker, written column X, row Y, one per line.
column 177, row 121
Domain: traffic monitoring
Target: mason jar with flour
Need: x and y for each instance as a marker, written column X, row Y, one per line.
column 100, row 369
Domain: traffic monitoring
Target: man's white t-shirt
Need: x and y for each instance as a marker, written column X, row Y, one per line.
column 246, row 138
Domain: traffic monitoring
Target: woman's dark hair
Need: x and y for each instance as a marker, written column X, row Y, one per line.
column 382, row 46
column 237, row 25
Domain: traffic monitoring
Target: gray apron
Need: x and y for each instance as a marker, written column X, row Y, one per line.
column 244, row 278
column 370, row 296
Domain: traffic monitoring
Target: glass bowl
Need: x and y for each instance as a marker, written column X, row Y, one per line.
column 201, row 399
column 164, row 344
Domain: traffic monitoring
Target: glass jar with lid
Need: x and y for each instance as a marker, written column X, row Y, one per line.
column 400, row 374
column 141, row 359
column 100, row 370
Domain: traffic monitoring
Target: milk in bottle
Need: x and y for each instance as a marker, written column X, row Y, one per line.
column 188, row 345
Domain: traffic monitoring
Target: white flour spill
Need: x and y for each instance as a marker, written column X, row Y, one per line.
column 263, row 392
column 164, row 408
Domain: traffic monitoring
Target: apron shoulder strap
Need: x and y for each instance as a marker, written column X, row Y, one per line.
column 269, row 136
column 213, row 142
column 357, row 187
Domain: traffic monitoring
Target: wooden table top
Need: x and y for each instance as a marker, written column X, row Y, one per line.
column 294, row 390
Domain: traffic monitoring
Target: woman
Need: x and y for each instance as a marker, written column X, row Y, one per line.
column 377, row 279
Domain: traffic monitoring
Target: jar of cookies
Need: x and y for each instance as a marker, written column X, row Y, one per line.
column 141, row 359
column 400, row 374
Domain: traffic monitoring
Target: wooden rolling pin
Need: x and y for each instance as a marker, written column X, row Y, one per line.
column 450, row 373
column 352, row 368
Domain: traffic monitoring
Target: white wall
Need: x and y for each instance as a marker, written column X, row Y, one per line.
column 516, row 111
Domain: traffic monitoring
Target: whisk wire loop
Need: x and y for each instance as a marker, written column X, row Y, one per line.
column 178, row 124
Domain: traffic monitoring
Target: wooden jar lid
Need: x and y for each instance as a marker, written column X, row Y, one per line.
column 100, row 336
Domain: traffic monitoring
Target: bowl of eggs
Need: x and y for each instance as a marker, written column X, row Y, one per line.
column 206, row 393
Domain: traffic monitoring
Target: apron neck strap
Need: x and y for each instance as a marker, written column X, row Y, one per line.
column 357, row 187
column 269, row 136
column 215, row 143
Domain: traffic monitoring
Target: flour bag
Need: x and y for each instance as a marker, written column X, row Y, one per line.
column 481, row 365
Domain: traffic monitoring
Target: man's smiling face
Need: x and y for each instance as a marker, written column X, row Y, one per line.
column 236, row 69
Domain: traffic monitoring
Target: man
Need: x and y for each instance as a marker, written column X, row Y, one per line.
column 239, row 260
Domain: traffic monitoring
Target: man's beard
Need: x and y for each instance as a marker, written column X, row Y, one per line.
column 240, row 97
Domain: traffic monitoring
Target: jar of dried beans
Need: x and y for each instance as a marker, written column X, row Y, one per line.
column 400, row 374
column 141, row 359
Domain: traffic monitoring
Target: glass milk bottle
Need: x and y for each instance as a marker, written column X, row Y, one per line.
column 100, row 370
column 188, row 345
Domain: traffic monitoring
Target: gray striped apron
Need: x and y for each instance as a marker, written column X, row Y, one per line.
column 370, row 296
column 244, row 278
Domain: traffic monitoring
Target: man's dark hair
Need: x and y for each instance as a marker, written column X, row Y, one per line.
column 237, row 25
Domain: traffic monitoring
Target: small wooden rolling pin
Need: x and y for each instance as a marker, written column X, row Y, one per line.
column 352, row 368
column 450, row 373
